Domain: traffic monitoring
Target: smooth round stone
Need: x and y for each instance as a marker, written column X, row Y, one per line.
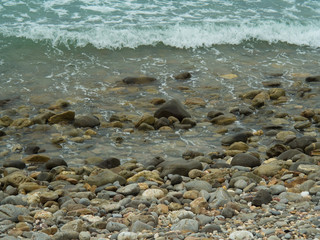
column 287, row 236
column 241, row 235
column 273, row 212
column 85, row 201
column 127, row 236
column 277, row 189
column 84, row 235
column 240, row 184
column 153, row 193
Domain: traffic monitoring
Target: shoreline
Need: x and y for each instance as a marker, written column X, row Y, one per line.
column 261, row 184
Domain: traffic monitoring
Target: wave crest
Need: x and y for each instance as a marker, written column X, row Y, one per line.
column 179, row 36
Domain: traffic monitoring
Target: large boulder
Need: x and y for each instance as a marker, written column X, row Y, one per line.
column 172, row 108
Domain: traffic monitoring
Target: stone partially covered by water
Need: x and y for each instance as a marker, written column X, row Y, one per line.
column 172, row 108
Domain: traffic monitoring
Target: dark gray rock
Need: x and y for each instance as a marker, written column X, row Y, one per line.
column 138, row 80
column 262, row 197
column 245, row 160
column 161, row 122
column 313, row 79
column 153, row 162
column 2, row 133
column 175, row 179
column 15, row 164
column 238, row 137
column 45, row 176
column 11, row 212
column 302, row 142
column 172, row 108
column 276, row 150
column 86, row 121
column 55, row 162
column 228, row 212
column 289, row 154
column 109, row 163
column 179, row 166
column 32, row 149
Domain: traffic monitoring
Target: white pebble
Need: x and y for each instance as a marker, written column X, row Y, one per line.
column 241, row 235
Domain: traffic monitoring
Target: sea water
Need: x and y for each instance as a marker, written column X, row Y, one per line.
column 79, row 50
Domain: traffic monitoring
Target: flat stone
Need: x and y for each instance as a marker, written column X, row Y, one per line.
column 238, row 137
column 289, row 154
column 11, row 212
column 104, row 177
column 55, row 162
column 241, row 235
column 138, row 80
column 131, row 189
column 109, row 163
column 115, row 226
column 270, row 169
column 67, row 116
column 139, row 226
column 14, row 164
column 224, row 119
column 75, row 225
column 198, row 185
column 302, row 142
column 189, row 225
column 36, row 159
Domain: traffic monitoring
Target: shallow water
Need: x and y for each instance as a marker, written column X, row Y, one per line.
column 81, row 50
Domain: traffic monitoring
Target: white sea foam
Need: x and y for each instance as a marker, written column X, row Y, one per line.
column 179, row 36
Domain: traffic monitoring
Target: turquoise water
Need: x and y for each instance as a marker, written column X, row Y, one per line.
column 80, row 50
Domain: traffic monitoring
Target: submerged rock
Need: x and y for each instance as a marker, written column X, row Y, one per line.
column 172, row 108
column 86, row 121
column 138, row 80
column 183, row 76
